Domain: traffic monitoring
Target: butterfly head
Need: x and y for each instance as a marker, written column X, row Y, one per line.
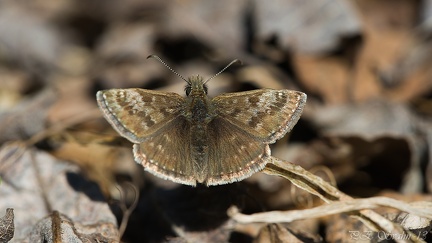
column 196, row 85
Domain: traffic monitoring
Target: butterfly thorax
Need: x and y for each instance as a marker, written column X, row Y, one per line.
column 199, row 110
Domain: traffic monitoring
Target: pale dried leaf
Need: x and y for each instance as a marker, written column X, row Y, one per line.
column 122, row 54
column 216, row 23
column 28, row 118
column 306, row 26
column 59, row 228
column 35, row 185
column 28, row 39
column 370, row 120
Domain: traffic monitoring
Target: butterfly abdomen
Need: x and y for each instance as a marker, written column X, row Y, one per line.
column 199, row 150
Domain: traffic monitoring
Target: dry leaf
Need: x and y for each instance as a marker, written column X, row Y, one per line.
column 58, row 227
column 28, row 118
column 338, row 52
column 28, row 39
column 326, row 76
column 122, row 53
column 35, row 185
column 382, row 121
column 213, row 23
column 306, row 26
column 98, row 161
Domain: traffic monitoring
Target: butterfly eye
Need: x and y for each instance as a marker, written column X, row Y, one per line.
column 188, row 89
column 205, row 89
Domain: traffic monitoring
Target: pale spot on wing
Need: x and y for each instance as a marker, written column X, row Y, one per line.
column 121, row 94
column 167, row 137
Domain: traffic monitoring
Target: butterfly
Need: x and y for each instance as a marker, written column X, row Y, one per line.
column 198, row 139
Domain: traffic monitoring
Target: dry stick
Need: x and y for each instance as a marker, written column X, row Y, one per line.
column 60, row 126
column 333, row 208
column 317, row 186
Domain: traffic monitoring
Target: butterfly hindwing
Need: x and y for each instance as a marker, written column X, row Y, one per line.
column 167, row 154
column 233, row 154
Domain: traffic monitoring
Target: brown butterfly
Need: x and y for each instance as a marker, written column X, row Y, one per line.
column 195, row 138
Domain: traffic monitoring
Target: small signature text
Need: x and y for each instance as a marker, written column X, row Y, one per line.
column 381, row 235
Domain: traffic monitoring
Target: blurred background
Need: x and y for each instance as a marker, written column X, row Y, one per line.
column 367, row 126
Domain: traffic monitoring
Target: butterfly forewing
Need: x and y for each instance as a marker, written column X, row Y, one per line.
column 137, row 114
column 266, row 114
column 167, row 154
column 233, row 154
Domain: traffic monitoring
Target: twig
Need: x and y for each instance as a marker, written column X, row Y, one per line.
column 328, row 193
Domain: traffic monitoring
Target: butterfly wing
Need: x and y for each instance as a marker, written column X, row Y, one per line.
column 167, row 154
column 137, row 114
column 233, row 153
column 266, row 114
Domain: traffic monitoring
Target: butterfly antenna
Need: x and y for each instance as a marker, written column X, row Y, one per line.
column 166, row 65
column 231, row 63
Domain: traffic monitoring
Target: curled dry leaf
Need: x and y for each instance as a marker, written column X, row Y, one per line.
column 36, row 185
column 7, row 226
